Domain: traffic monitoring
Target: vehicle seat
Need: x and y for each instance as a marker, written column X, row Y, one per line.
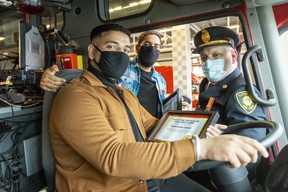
column 277, row 177
column 48, row 160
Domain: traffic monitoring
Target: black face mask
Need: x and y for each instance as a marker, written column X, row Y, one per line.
column 148, row 55
column 112, row 63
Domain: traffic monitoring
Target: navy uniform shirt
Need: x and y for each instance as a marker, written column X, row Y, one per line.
column 233, row 103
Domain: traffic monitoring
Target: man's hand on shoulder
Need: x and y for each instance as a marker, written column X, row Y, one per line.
column 49, row 82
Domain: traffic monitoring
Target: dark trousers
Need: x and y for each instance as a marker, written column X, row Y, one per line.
column 180, row 183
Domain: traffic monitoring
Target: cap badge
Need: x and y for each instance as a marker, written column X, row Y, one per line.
column 205, row 36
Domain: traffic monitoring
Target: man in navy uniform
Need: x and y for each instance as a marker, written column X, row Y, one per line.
column 225, row 83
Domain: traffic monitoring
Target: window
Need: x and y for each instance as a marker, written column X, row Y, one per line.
column 167, row 40
column 284, row 43
column 176, row 42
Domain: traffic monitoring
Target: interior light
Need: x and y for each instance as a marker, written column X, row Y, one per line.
column 144, row 1
column 117, row 8
column 111, row 10
column 133, row 4
column 2, row 38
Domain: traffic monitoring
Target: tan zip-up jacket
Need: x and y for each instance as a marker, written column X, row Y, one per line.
column 94, row 144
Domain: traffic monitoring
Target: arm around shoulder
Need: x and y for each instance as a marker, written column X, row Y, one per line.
column 49, row 82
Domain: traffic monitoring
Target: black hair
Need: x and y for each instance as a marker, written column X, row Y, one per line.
column 97, row 31
column 151, row 32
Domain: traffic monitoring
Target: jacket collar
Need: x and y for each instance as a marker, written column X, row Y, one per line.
column 105, row 80
column 229, row 79
column 221, row 85
column 95, row 81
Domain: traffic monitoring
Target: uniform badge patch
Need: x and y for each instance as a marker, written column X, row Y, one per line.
column 245, row 102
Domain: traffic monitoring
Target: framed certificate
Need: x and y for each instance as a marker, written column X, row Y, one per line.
column 173, row 101
column 177, row 125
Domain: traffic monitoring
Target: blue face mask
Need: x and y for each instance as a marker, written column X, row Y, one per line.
column 214, row 69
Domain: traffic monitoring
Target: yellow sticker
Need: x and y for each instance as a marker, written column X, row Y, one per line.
column 245, row 102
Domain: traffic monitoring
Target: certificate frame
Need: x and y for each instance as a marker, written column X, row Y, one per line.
column 173, row 101
column 178, row 125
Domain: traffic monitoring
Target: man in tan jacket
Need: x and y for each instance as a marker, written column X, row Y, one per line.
column 98, row 132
